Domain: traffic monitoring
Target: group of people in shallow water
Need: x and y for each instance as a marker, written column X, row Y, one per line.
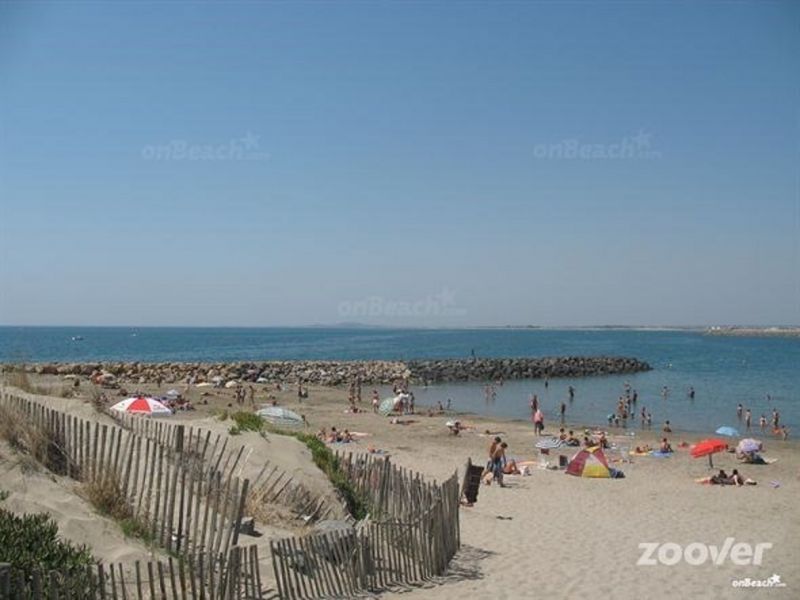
column 746, row 415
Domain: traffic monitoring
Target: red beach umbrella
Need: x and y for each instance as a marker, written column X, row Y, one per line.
column 143, row 406
column 707, row 448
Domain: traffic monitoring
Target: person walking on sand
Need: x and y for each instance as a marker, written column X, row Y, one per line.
column 748, row 417
column 498, row 462
column 490, row 463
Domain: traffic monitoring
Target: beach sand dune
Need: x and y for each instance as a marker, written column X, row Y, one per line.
column 545, row 535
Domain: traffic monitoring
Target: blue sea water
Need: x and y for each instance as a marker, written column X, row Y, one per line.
column 760, row 373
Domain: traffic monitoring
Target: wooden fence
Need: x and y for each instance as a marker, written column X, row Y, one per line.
column 411, row 536
column 194, row 578
column 179, row 490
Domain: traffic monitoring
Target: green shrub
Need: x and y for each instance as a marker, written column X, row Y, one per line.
column 326, row 461
column 135, row 528
column 247, row 421
column 31, row 541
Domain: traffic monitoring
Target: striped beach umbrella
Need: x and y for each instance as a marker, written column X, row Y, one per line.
column 550, row 443
column 142, row 405
column 280, row 417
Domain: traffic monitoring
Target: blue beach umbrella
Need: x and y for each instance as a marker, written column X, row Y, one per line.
column 729, row 431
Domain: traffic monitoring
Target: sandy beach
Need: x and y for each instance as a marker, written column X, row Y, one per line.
column 544, row 534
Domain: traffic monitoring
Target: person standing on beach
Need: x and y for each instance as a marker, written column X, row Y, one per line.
column 538, row 422
column 748, row 417
column 762, row 422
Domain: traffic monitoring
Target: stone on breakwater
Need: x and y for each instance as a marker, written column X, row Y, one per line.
column 373, row 372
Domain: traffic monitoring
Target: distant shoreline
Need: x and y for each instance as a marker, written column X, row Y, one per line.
column 754, row 331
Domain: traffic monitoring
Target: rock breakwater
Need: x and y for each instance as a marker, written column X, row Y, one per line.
column 334, row 373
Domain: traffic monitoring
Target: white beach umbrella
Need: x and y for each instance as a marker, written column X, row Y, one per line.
column 282, row 417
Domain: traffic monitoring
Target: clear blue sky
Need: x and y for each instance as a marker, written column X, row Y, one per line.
column 401, row 163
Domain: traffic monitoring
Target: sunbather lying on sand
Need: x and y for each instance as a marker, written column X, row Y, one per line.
column 722, row 478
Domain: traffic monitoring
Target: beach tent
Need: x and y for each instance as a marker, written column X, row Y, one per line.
column 590, row 462
column 142, row 406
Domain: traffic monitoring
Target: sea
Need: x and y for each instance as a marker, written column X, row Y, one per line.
column 761, row 373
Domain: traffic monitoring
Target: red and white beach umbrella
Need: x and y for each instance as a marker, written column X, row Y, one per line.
column 142, row 406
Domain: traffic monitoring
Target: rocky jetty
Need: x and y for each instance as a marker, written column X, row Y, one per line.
column 343, row 372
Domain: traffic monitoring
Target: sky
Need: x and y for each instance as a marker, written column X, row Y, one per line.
column 409, row 164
